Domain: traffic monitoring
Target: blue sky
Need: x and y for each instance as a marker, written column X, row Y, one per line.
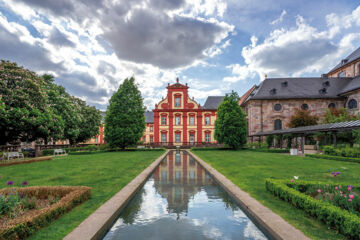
column 213, row 45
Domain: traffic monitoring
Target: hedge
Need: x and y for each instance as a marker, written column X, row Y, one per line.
column 269, row 150
column 335, row 158
column 14, row 162
column 345, row 222
column 25, row 225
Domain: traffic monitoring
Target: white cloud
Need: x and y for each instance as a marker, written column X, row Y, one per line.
column 240, row 73
column 279, row 19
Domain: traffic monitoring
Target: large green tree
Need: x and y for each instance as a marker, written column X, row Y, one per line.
column 125, row 120
column 90, row 121
column 25, row 112
column 230, row 125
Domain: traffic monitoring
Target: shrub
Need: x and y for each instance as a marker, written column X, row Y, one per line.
column 270, row 140
column 25, row 225
column 335, row 158
column 345, row 222
column 330, row 150
column 91, row 148
column 48, row 152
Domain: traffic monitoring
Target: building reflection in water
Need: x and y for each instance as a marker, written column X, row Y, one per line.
column 182, row 201
column 178, row 178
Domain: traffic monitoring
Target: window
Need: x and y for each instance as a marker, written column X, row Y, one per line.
column 207, row 120
column 151, row 128
column 177, row 120
column 277, row 107
column 163, row 120
column 177, row 102
column 192, row 138
column 207, row 137
column 277, row 124
column 352, row 104
column 163, row 137
column 177, row 137
column 332, row 105
column 304, row 106
column 151, row 139
column 341, row 74
column 192, row 120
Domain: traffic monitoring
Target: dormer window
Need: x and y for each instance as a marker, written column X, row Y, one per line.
column 326, row 84
column 273, row 91
column 341, row 74
column 323, row 91
column 177, row 101
column 284, row 84
column 304, row 106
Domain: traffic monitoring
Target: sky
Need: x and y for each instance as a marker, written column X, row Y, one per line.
column 215, row 46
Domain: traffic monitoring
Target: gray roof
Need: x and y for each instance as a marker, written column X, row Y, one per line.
column 149, row 117
column 212, row 102
column 289, row 88
column 353, row 85
column 352, row 57
column 340, row 126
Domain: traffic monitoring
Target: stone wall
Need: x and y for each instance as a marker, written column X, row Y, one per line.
column 265, row 122
column 351, row 70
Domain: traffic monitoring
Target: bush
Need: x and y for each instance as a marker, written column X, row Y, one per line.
column 25, row 226
column 344, row 152
column 270, row 140
column 47, row 152
column 270, row 150
column 335, row 158
column 91, row 148
column 345, row 222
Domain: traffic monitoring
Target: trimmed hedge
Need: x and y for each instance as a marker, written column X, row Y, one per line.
column 345, row 222
column 269, row 150
column 25, row 225
column 335, row 158
column 14, row 162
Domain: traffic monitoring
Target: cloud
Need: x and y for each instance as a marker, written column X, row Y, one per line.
column 280, row 19
column 59, row 39
column 33, row 56
column 160, row 40
column 292, row 52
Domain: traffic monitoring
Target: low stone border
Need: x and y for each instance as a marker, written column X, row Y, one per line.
column 94, row 226
column 38, row 159
column 273, row 224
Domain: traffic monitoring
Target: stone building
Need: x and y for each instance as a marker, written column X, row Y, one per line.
column 180, row 120
column 270, row 104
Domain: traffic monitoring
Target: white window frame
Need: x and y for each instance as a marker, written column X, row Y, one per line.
column 207, row 137
column 177, row 104
column 177, row 137
column 162, row 120
column 177, row 120
column 192, row 123
column 207, row 120
column 162, row 137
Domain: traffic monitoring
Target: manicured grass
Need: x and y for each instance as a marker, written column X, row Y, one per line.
column 249, row 170
column 105, row 173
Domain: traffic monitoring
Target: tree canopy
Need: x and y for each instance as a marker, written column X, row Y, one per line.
column 125, row 120
column 230, row 125
column 302, row 118
column 34, row 108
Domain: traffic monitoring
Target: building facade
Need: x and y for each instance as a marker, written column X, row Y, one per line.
column 179, row 120
column 270, row 105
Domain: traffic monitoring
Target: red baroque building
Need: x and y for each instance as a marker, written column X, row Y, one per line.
column 180, row 120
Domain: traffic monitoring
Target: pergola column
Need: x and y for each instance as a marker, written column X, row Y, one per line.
column 334, row 139
column 303, row 144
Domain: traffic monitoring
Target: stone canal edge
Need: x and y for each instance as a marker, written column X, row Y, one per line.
column 272, row 223
column 97, row 224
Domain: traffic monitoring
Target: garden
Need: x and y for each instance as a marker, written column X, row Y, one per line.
column 302, row 180
column 42, row 194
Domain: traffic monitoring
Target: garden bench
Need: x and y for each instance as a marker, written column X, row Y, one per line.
column 10, row 155
column 59, row 151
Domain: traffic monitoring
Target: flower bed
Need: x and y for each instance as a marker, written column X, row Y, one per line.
column 323, row 201
column 21, row 161
column 335, row 158
column 24, row 210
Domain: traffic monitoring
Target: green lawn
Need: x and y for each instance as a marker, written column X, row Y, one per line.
column 105, row 173
column 249, row 169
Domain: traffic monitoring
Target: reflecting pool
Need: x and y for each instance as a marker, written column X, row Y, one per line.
column 181, row 201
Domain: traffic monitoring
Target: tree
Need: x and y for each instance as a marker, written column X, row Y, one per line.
column 230, row 125
column 302, row 118
column 90, row 121
column 333, row 115
column 26, row 115
column 125, row 120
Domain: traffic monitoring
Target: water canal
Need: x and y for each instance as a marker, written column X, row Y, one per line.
column 181, row 201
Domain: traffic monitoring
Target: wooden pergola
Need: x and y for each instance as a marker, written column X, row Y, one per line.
column 332, row 128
